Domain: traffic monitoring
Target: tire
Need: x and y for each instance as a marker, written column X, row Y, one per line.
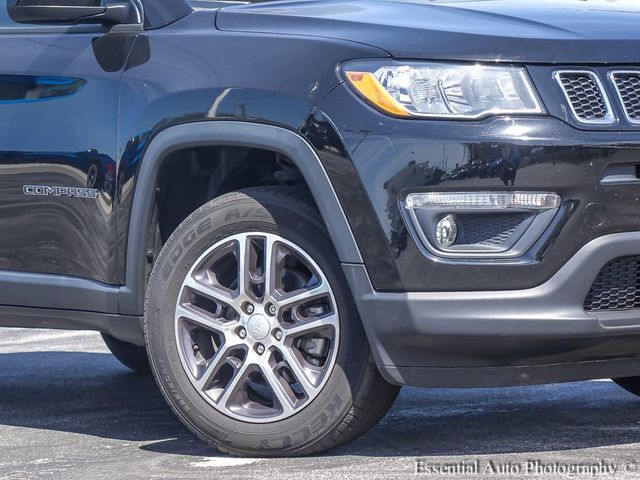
column 630, row 384
column 131, row 356
column 261, row 409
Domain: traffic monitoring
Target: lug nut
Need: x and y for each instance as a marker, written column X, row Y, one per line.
column 249, row 308
column 260, row 348
column 272, row 309
column 242, row 333
column 278, row 334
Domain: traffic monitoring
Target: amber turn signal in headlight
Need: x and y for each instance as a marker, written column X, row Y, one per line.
column 370, row 88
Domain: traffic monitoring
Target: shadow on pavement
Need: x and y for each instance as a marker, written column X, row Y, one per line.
column 91, row 394
column 87, row 393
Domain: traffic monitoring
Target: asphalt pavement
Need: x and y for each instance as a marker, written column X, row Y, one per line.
column 68, row 410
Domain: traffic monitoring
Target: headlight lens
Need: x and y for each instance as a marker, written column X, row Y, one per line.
column 444, row 90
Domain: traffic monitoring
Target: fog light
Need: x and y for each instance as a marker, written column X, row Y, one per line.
column 446, row 231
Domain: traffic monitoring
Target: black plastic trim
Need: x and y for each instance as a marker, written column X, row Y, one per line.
column 469, row 333
column 212, row 133
column 488, row 377
column 58, row 292
column 158, row 14
column 126, row 328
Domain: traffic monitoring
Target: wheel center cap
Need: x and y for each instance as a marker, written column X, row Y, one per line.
column 258, row 327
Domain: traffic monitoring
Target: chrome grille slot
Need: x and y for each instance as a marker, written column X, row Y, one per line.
column 586, row 96
column 627, row 85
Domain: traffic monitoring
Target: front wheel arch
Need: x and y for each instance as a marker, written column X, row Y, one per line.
column 228, row 133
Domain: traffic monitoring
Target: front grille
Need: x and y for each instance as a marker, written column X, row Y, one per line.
column 617, row 286
column 628, row 86
column 586, row 97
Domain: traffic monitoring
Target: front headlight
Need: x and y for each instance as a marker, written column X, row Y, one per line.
column 444, row 90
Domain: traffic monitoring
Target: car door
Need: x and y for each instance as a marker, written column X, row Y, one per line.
column 59, row 93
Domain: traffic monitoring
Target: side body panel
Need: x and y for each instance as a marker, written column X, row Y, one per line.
column 58, row 116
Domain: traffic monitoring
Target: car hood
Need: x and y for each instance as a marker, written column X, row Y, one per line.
column 542, row 31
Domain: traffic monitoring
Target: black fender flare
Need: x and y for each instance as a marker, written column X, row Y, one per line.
column 231, row 133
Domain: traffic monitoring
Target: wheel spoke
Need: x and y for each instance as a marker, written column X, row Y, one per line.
column 270, row 266
column 217, row 294
column 201, row 319
column 301, row 376
column 286, row 300
column 312, row 325
column 278, row 389
column 242, row 252
column 219, row 359
column 231, row 388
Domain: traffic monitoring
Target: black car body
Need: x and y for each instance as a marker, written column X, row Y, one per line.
column 206, row 98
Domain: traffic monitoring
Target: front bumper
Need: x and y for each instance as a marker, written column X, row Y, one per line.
column 437, row 321
column 494, row 338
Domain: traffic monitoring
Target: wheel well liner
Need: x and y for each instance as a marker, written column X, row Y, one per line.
column 243, row 134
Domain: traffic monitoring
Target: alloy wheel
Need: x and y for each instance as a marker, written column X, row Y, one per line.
column 257, row 327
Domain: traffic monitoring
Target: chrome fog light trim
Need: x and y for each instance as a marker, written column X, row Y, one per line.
column 476, row 225
column 483, row 200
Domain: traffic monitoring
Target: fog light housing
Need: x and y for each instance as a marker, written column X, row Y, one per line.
column 446, row 231
column 480, row 224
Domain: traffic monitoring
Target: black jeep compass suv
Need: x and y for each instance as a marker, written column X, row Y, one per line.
column 286, row 210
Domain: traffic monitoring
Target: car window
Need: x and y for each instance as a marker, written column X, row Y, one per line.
column 5, row 19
